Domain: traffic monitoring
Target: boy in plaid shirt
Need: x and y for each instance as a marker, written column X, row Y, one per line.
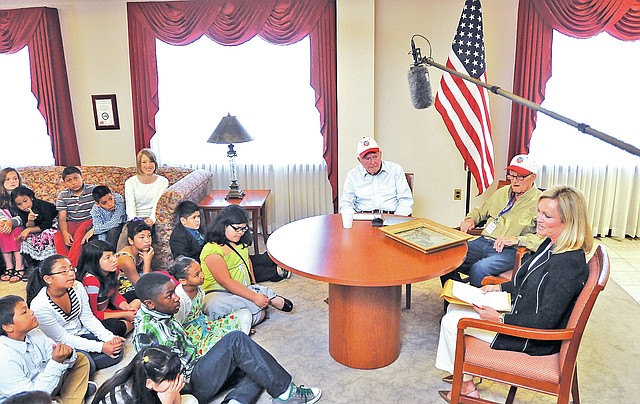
column 206, row 374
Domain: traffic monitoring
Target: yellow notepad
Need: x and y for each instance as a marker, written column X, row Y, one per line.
column 465, row 294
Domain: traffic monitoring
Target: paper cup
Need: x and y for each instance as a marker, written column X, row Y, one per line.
column 347, row 219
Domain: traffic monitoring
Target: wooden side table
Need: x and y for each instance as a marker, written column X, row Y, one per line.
column 253, row 202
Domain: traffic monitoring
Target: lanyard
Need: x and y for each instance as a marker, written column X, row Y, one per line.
column 507, row 208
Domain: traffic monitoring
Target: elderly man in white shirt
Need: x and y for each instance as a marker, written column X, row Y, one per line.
column 375, row 185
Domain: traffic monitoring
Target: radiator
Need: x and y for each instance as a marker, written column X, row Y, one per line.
column 297, row 190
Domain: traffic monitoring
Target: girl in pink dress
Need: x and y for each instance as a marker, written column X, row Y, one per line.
column 9, row 234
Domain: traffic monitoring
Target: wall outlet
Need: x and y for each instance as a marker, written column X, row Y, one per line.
column 457, row 194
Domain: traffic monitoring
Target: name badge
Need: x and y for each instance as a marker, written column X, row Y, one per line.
column 491, row 227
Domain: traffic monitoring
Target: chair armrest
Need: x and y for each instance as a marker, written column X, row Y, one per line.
column 521, row 252
column 515, row 330
column 476, row 231
column 493, row 280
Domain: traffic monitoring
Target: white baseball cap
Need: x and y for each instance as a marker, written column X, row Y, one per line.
column 367, row 145
column 522, row 164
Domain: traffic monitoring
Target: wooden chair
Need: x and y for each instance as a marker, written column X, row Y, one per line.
column 555, row 374
column 407, row 287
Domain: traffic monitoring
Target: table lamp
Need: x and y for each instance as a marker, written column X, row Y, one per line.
column 230, row 131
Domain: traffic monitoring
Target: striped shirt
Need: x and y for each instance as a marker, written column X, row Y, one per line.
column 69, row 328
column 75, row 307
column 78, row 208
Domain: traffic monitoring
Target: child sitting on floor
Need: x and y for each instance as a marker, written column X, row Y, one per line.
column 62, row 307
column 204, row 332
column 98, row 271
column 153, row 376
column 207, row 374
column 33, row 361
column 228, row 271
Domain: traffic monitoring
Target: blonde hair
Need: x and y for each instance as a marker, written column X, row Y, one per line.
column 150, row 155
column 572, row 209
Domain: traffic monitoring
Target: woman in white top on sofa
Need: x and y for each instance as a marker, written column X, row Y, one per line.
column 143, row 190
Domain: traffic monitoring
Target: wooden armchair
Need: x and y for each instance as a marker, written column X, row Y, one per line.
column 555, row 374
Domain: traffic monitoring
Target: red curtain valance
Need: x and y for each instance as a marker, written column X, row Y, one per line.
column 232, row 22
column 39, row 29
column 536, row 21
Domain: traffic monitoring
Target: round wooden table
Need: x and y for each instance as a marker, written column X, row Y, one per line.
column 365, row 271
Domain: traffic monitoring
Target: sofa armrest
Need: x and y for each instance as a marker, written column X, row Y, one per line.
column 194, row 186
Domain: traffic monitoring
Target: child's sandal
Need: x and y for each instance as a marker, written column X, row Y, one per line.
column 6, row 275
column 16, row 275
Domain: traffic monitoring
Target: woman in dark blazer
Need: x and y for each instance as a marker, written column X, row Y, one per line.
column 544, row 290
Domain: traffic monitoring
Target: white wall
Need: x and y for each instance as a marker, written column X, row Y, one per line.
column 417, row 139
column 373, row 95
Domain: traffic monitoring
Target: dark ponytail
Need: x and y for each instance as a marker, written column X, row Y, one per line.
column 36, row 279
column 156, row 363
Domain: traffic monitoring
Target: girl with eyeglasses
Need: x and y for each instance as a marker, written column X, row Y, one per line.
column 98, row 272
column 229, row 282
column 153, row 376
column 62, row 308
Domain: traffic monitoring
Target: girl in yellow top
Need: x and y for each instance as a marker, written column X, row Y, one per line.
column 229, row 282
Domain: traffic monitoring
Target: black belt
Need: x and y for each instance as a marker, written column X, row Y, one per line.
column 386, row 212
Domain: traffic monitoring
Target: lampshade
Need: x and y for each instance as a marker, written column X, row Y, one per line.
column 228, row 131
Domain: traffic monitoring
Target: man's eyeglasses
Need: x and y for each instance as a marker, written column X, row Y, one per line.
column 239, row 229
column 65, row 271
column 517, row 177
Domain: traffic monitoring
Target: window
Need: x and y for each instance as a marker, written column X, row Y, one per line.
column 593, row 82
column 23, row 130
column 265, row 86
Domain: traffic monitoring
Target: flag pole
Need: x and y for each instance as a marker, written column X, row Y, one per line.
column 468, row 196
column 582, row 127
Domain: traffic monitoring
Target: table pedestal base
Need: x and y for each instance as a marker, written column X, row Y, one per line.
column 364, row 325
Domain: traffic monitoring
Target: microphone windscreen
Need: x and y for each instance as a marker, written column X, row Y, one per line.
column 420, row 87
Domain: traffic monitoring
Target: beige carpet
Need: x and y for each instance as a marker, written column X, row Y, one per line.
column 608, row 359
column 607, row 363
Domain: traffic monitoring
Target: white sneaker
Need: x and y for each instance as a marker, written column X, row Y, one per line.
column 299, row 395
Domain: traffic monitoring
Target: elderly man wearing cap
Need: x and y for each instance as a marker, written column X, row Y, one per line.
column 510, row 215
column 375, row 185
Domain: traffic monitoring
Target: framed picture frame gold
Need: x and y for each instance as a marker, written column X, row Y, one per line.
column 425, row 235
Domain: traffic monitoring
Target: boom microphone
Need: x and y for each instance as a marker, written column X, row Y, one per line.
column 419, row 86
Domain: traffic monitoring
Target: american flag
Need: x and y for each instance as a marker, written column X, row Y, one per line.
column 464, row 106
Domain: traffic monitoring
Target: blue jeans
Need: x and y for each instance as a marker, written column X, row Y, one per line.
column 99, row 360
column 236, row 351
column 482, row 260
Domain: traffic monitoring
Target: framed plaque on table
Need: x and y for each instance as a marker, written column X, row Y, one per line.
column 425, row 235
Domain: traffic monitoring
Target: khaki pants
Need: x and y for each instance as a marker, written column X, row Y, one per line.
column 73, row 384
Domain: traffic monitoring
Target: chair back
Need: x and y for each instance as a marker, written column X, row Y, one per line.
column 598, row 277
column 409, row 177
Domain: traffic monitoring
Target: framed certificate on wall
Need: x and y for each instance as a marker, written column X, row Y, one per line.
column 105, row 112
